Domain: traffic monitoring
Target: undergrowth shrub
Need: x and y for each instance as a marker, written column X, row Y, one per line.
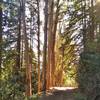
column 88, row 72
column 79, row 96
column 13, row 89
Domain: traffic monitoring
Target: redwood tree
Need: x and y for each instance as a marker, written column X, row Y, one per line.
column 27, row 59
column 38, row 36
column 45, row 45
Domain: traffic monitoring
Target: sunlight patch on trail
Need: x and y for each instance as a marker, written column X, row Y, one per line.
column 63, row 88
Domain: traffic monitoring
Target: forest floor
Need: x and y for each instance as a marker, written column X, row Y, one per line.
column 60, row 94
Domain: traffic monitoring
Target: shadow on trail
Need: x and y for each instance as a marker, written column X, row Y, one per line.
column 67, row 94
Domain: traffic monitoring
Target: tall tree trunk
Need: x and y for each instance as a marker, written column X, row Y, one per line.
column 50, row 27
column 53, row 44
column 18, row 42
column 92, row 18
column 83, row 22
column 39, row 86
column 45, row 46
column 0, row 38
column 62, row 64
column 27, row 60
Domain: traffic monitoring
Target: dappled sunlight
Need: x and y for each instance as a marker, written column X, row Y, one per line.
column 49, row 93
column 63, row 88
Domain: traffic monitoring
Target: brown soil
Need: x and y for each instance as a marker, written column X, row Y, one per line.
column 60, row 95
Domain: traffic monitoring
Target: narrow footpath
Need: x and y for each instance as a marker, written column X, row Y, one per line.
column 63, row 94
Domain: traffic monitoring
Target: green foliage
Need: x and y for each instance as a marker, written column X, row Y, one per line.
column 10, row 90
column 34, row 81
column 12, row 85
column 33, row 97
column 13, row 89
column 69, row 79
column 79, row 96
column 88, row 73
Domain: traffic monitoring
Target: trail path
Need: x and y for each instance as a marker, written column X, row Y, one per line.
column 60, row 94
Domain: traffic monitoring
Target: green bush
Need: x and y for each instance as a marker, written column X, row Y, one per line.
column 12, row 86
column 33, row 97
column 88, row 72
column 11, row 91
column 79, row 96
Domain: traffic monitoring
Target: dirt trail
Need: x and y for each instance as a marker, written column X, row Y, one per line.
column 60, row 95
